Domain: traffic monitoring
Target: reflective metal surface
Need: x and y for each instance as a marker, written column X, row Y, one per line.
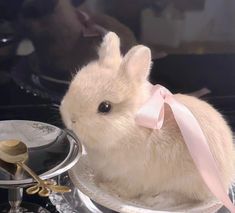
column 52, row 151
column 76, row 201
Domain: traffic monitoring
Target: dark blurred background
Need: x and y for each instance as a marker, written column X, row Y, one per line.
column 44, row 42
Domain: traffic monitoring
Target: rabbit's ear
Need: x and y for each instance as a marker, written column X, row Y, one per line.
column 109, row 52
column 137, row 63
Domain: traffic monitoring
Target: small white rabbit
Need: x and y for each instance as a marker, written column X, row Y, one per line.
column 100, row 107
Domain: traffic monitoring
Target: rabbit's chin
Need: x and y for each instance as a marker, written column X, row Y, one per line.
column 120, row 132
column 112, row 140
column 100, row 144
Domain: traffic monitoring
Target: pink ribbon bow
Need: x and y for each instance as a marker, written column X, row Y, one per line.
column 151, row 115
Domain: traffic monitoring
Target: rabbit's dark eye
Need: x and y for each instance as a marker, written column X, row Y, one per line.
column 104, row 107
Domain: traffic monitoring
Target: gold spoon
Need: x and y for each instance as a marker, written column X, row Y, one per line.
column 16, row 152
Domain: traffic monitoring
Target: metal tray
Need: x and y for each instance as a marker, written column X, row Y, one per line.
column 52, row 150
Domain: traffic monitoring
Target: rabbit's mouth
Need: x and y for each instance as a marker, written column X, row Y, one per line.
column 73, row 119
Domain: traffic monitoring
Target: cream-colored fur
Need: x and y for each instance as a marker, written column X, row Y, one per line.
column 132, row 160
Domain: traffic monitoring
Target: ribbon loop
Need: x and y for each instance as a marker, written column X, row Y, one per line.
column 151, row 115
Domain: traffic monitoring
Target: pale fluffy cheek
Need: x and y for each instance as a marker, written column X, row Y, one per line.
column 109, row 137
column 96, row 139
column 116, row 131
column 102, row 135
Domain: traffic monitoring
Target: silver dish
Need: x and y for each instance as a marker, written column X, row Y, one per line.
column 82, row 177
column 52, row 150
column 76, row 201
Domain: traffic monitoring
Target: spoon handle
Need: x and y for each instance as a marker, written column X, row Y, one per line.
column 46, row 185
column 31, row 172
